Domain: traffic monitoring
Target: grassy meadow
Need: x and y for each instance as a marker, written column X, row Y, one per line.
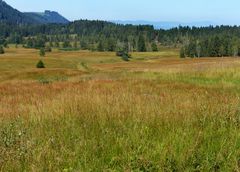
column 91, row 111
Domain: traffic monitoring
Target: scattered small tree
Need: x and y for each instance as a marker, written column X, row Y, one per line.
column 1, row 50
column 40, row 64
column 154, row 47
column 42, row 52
column 122, row 51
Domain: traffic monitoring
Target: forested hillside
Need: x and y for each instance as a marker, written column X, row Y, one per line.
column 12, row 16
column 9, row 15
column 47, row 17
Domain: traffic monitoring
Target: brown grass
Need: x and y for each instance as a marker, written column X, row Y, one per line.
column 159, row 113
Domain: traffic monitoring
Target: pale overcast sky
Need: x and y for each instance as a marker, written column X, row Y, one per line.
column 219, row 11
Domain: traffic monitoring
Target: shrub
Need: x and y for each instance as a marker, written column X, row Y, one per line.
column 44, row 81
column 48, row 49
column 119, row 53
column 125, row 55
column 84, row 65
column 40, row 64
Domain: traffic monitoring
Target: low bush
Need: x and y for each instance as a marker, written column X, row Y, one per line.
column 40, row 64
column 124, row 55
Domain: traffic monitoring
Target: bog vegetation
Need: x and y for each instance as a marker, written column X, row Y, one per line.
column 92, row 111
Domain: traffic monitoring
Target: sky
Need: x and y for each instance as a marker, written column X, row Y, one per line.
column 217, row 11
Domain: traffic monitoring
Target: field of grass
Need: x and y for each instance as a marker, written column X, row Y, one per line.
column 91, row 111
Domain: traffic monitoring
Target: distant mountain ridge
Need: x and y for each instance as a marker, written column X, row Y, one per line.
column 12, row 16
column 47, row 17
column 164, row 24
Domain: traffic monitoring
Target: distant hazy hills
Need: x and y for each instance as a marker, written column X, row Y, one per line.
column 10, row 15
column 164, row 25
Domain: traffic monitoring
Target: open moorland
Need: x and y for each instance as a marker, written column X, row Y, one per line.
column 92, row 111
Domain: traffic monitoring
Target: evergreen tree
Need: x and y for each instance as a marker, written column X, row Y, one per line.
column 30, row 43
column 141, row 44
column 222, row 51
column 15, row 38
column 42, row 52
column 66, row 44
column 191, row 50
column 125, row 57
column 84, row 45
column 126, row 46
column 111, row 46
column 204, row 48
column 235, row 51
column 100, row 46
column 198, row 49
column 238, row 51
column 182, row 53
column 154, row 47
column 39, row 42
column 75, row 44
column 215, row 47
column 119, row 46
column 40, row 64
column 123, row 50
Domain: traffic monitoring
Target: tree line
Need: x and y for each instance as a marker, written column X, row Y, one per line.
column 214, row 46
column 84, row 34
column 106, row 36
